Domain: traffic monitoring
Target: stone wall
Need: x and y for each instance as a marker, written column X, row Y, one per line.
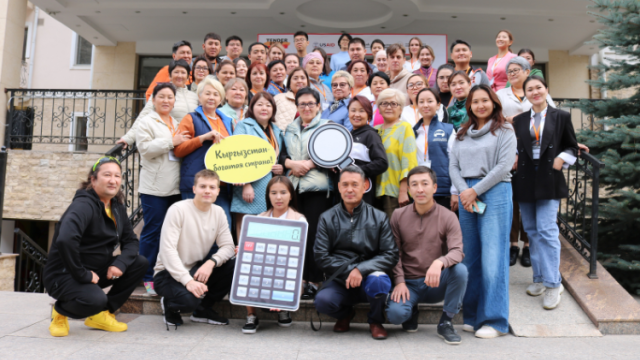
column 41, row 184
column 7, row 271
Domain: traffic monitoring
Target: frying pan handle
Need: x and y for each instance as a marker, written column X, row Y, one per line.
column 348, row 161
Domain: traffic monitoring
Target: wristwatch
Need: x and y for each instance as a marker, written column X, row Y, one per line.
column 215, row 263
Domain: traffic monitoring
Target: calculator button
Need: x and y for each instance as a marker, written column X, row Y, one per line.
column 255, row 281
column 291, row 285
column 282, row 296
column 253, row 293
column 293, row 262
column 278, row 284
column 294, row 251
column 258, row 258
column 280, row 272
column 260, row 247
column 244, row 280
column 266, row 282
column 271, row 248
column 242, row 291
column 270, row 259
column 265, row 294
column 245, row 268
column 268, row 271
column 282, row 260
column 283, row 250
column 247, row 257
column 291, row 273
column 257, row 270
column 248, row 246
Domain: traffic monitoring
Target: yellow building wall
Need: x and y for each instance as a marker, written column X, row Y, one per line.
column 568, row 75
column 114, row 67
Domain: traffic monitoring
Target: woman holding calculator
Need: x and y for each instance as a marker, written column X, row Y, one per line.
column 281, row 199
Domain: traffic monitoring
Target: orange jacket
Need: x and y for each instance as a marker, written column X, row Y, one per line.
column 162, row 76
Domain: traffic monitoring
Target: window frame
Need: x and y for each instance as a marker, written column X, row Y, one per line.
column 74, row 54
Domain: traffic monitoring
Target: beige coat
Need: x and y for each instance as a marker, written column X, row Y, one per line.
column 400, row 82
column 159, row 176
column 285, row 109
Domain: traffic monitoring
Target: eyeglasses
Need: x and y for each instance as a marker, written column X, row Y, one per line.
column 419, row 84
column 307, row 105
column 339, row 85
column 442, row 77
column 202, row 68
column 105, row 159
column 513, row 72
column 389, row 104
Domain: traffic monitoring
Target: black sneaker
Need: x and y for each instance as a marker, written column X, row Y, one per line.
column 251, row 326
column 448, row 333
column 525, row 259
column 209, row 316
column 513, row 255
column 284, row 319
column 171, row 318
column 411, row 325
column 310, row 291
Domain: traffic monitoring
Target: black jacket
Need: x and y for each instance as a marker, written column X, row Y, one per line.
column 370, row 138
column 365, row 237
column 547, row 183
column 85, row 238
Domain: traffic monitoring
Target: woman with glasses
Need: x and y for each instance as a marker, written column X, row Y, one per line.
column 378, row 82
column 235, row 106
column 442, row 84
column 528, row 55
column 338, row 60
column 201, row 69
column 242, row 66
column 327, row 73
column 410, row 113
column 460, row 85
column 225, row 71
column 400, row 145
column 286, row 103
column 413, row 64
column 312, row 184
column 427, row 56
column 341, row 84
column 157, row 136
column 277, row 75
column 360, row 71
column 314, row 64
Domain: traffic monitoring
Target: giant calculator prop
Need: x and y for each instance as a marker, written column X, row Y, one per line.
column 269, row 263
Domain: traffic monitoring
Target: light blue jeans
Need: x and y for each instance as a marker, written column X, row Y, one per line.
column 485, row 240
column 539, row 220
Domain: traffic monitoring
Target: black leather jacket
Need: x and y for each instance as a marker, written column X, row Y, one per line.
column 366, row 237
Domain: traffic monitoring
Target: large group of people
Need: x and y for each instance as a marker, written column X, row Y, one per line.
column 453, row 167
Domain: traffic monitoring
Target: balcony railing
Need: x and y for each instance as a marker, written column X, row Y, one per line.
column 580, row 120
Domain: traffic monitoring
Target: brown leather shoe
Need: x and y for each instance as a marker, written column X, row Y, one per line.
column 378, row 332
column 343, row 325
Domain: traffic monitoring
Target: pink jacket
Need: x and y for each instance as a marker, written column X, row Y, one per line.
column 496, row 71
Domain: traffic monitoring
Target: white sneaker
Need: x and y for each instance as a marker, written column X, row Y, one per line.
column 552, row 297
column 467, row 328
column 487, row 332
column 536, row 289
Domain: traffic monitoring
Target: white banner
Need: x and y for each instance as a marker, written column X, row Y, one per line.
column 329, row 42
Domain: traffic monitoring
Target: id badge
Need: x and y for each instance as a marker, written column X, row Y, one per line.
column 172, row 156
column 325, row 106
column 536, row 153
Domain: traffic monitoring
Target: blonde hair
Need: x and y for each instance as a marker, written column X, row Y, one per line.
column 392, row 94
column 211, row 82
column 232, row 82
column 279, row 46
column 344, row 74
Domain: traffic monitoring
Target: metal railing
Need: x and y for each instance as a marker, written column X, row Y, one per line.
column 578, row 214
column 130, row 161
column 580, row 120
column 76, row 118
column 30, row 264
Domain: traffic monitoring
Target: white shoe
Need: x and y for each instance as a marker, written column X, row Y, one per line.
column 552, row 297
column 536, row 289
column 467, row 328
column 487, row 332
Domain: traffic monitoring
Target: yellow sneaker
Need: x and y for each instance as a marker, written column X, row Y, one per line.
column 105, row 321
column 59, row 324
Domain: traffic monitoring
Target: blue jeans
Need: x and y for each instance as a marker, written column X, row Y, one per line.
column 540, row 222
column 335, row 300
column 453, row 283
column 223, row 200
column 154, row 208
column 485, row 239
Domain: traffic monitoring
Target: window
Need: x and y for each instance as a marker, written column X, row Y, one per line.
column 25, row 43
column 81, row 52
column 78, row 132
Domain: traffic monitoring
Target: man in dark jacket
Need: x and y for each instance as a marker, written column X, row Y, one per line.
column 81, row 261
column 355, row 248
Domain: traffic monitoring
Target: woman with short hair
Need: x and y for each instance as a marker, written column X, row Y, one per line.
column 286, row 103
column 413, row 64
column 314, row 64
column 360, row 71
column 257, row 78
column 341, row 84
column 427, row 56
column 410, row 113
column 225, row 71
column 460, row 85
column 378, row 82
column 528, row 55
column 242, row 66
column 277, row 75
column 235, row 106
column 201, row 69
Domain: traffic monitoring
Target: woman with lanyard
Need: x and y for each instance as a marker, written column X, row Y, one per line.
column 528, row 55
column 460, row 85
column 400, row 145
column 312, row 184
column 242, row 66
column 434, row 140
column 426, row 60
column 546, row 145
column 157, row 136
column 360, row 71
column 338, row 112
column 286, row 103
column 235, row 106
column 378, row 82
column 313, row 64
column 281, row 201
column 368, row 151
column 206, row 125
column 415, row 44
column 276, row 52
column 479, row 166
column 201, row 69
column 410, row 113
column 277, row 75
column 495, row 66
column 226, row 71
column 260, row 122
column 257, row 78
column 185, row 100
column 327, row 73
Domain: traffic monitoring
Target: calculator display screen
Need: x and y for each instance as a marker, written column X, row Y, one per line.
column 274, row 232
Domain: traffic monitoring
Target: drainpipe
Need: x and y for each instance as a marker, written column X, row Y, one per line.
column 33, row 46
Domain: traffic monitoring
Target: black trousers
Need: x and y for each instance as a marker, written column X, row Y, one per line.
column 312, row 205
column 78, row 301
column 178, row 298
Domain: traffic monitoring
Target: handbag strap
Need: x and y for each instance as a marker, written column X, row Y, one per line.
column 340, row 270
